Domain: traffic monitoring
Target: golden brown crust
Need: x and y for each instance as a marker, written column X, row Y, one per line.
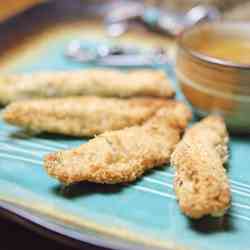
column 201, row 183
column 123, row 155
column 81, row 116
column 99, row 82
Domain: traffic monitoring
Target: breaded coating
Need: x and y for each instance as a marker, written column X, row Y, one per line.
column 98, row 82
column 81, row 116
column 201, row 184
column 124, row 155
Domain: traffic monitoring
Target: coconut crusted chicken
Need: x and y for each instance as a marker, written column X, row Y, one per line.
column 201, row 183
column 123, row 155
column 99, row 82
column 81, row 116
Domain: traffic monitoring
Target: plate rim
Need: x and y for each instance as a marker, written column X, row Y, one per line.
column 106, row 241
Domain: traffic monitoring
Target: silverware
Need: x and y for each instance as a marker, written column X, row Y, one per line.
column 173, row 23
column 118, row 21
column 116, row 55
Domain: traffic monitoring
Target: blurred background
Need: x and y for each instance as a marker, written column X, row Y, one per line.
column 20, row 20
column 235, row 9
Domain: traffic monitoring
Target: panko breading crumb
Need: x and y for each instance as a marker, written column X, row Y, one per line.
column 98, row 82
column 124, row 155
column 81, row 116
column 201, row 184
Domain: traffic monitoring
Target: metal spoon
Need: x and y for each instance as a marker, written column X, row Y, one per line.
column 117, row 21
column 117, row 56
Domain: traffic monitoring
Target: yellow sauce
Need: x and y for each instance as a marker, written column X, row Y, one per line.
column 228, row 49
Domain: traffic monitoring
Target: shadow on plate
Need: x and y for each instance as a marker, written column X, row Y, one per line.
column 88, row 188
column 21, row 134
column 26, row 134
column 211, row 225
column 82, row 189
column 59, row 137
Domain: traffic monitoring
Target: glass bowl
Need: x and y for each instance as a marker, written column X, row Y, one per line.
column 211, row 84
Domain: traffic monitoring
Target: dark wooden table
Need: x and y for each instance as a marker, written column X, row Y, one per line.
column 15, row 236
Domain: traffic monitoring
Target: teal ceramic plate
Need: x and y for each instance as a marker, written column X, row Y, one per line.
column 143, row 215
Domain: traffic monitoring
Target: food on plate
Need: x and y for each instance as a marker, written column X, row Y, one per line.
column 100, row 82
column 124, row 155
column 201, row 183
column 81, row 116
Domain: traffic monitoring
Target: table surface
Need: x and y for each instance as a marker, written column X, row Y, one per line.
column 15, row 236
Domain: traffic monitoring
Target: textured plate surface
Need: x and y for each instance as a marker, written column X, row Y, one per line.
column 143, row 215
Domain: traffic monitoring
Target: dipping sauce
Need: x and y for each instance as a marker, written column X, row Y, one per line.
column 235, row 50
column 213, row 71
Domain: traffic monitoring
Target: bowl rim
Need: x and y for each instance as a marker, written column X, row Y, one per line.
column 206, row 58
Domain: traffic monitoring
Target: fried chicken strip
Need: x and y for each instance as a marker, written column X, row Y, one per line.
column 81, row 116
column 201, row 184
column 123, row 155
column 99, row 82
